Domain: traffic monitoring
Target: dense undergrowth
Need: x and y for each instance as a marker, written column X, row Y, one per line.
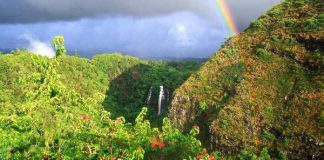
column 58, row 109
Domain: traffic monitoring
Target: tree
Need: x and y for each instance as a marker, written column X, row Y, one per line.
column 58, row 43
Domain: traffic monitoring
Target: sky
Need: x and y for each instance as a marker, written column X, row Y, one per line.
column 141, row 28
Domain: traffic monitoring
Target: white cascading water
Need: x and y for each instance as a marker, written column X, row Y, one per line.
column 161, row 97
column 149, row 95
column 167, row 95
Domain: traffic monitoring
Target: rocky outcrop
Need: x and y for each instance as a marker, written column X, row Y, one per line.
column 182, row 113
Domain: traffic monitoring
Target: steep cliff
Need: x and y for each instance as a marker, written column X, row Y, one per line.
column 264, row 88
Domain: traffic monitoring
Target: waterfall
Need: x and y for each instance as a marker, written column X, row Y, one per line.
column 161, row 97
column 149, row 95
column 167, row 95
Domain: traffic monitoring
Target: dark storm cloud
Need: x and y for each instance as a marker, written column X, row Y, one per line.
column 31, row 11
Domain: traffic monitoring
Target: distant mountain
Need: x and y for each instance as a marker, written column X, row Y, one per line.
column 263, row 91
column 183, row 59
column 6, row 50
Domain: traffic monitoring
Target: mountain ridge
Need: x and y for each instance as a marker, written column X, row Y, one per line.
column 262, row 88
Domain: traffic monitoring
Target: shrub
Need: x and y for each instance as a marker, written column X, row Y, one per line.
column 289, row 22
column 258, row 23
column 290, row 42
column 275, row 12
column 296, row 3
column 202, row 106
column 261, row 51
column 283, row 155
column 275, row 39
column 320, row 19
column 310, row 24
column 314, row 23
column 58, row 43
column 264, row 155
column 245, row 155
column 268, row 109
column 231, row 51
column 218, row 108
column 88, row 139
column 267, row 136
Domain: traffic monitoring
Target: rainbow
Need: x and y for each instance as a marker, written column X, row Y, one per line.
column 221, row 4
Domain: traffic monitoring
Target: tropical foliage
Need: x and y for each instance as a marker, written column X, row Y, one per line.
column 51, row 109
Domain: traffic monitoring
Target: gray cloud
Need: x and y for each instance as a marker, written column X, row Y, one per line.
column 181, row 34
column 244, row 11
column 142, row 28
column 31, row 11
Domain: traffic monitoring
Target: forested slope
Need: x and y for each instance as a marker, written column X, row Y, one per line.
column 263, row 89
column 61, row 108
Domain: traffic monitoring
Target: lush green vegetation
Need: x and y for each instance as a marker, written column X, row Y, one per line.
column 130, row 89
column 260, row 97
column 58, row 43
column 73, row 108
column 263, row 90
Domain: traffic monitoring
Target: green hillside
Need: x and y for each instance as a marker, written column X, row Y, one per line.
column 259, row 97
column 121, row 83
column 263, row 91
column 72, row 108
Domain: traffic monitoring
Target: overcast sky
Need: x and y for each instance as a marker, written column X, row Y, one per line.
column 142, row 28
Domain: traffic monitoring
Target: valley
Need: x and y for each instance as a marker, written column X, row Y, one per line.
column 259, row 97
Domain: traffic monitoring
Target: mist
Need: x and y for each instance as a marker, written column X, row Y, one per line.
column 38, row 47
